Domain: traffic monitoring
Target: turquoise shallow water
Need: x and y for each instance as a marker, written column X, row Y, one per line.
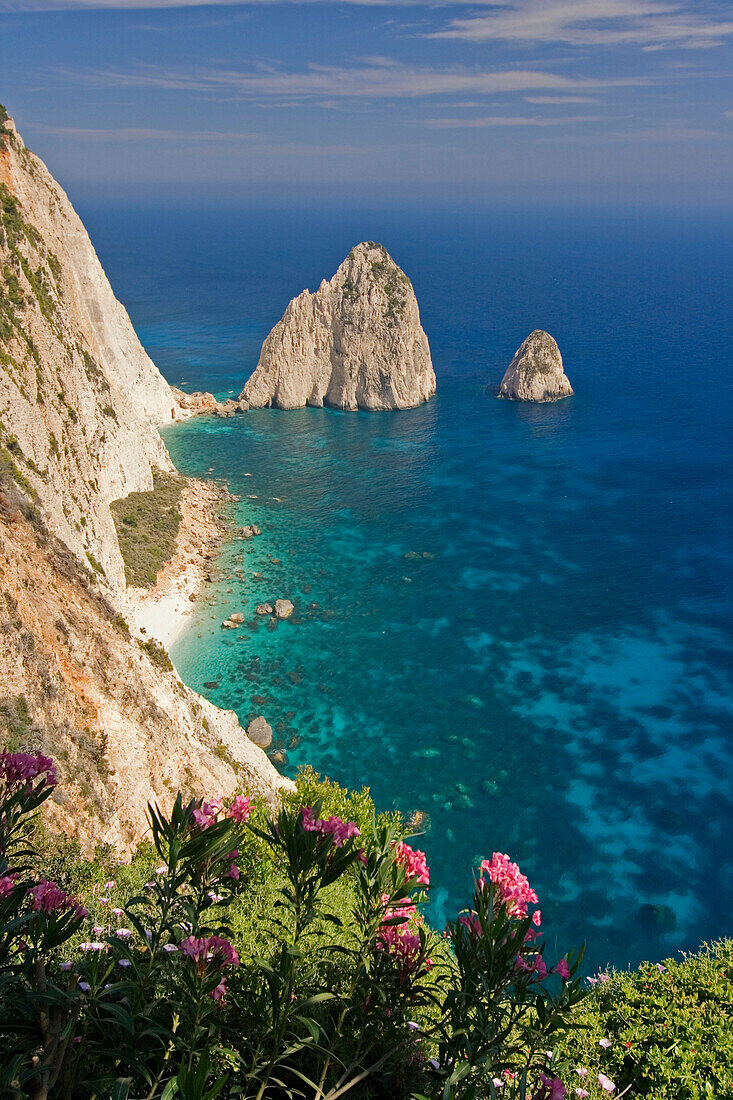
column 515, row 618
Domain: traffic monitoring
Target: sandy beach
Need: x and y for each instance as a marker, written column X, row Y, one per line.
column 162, row 612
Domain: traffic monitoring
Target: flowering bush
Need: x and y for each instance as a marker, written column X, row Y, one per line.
column 663, row 1031
column 268, row 957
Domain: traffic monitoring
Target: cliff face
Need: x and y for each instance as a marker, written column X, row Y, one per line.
column 356, row 343
column 80, row 405
column 536, row 372
column 78, row 395
column 76, row 685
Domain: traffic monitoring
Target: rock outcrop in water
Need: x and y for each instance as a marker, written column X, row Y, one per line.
column 356, row 343
column 536, row 372
column 80, row 406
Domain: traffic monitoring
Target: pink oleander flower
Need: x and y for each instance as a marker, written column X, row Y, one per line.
column 414, row 863
column 552, row 1088
column 19, row 769
column 582, row 1093
column 240, row 809
column 219, row 992
column 205, row 815
column 606, row 1083
column 209, row 949
column 512, row 886
column 537, row 966
column 47, row 897
column 402, row 941
column 6, row 884
column 341, row 831
column 362, row 857
column 563, row 969
column 581, row 1071
column 472, row 923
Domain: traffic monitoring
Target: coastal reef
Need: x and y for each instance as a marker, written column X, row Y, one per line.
column 536, row 372
column 356, row 343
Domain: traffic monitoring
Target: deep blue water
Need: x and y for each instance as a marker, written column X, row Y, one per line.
column 515, row 618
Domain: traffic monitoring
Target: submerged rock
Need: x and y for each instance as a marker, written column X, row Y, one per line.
column 356, row 343
column 536, row 372
column 260, row 732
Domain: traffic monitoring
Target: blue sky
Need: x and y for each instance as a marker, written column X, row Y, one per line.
column 592, row 100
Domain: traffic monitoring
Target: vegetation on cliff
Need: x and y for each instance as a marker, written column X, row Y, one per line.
column 147, row 527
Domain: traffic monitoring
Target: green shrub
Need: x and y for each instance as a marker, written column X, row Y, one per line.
column 15, row 723
column 669, row 1025
column 95, row 564
column 147, row 528
column 157, row 654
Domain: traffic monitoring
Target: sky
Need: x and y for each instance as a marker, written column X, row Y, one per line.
column 599, row 101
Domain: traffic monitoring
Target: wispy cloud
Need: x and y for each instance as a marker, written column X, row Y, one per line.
column 504, row 120
column 649, row 24
column 646, row 23
column 261, row 143
column 134, row 134
column 560, row 99
column 673, row 134
column 381, row 79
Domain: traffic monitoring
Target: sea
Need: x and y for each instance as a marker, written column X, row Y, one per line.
column 513, row 618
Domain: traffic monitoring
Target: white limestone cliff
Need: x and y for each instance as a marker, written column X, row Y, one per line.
column 356, row 343
column 80, row 407
column 80, row 395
